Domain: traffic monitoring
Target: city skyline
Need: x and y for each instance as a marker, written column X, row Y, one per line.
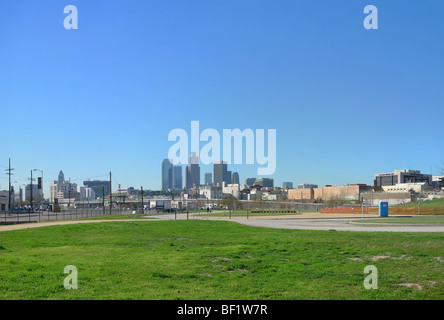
column 346, row 102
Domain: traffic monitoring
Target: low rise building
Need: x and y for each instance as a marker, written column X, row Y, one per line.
column 419, row 187
column 4, row 201
column 307, row 186
column 437, row 182
column 264, row 182
column 349, row 192
column 211, row 192
column 231, row 189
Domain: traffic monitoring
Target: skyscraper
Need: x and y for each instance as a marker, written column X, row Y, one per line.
column 166, row 166
column 235, row 178
column 175, row 177
column 219, row 172
column 192, row 171
column 228, row 177
column 208, row 178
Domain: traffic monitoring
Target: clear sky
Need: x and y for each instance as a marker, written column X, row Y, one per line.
column 346, row 102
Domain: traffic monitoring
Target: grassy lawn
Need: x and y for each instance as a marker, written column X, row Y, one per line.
column 436, row 203
column 421, row 220
column 117, row 217
column 217, row 260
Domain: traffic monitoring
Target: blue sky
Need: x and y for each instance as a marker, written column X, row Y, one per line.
column 346, row 102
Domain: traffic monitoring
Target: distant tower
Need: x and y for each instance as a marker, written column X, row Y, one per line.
column 235, row 178
column 61, row 177
column 166, row 166
column 192, row 172
column 220, row 172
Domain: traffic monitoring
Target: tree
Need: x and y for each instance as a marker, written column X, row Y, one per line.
column 230, row 201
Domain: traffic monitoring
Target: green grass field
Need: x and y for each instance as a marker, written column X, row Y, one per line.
column 436, row 203
column 117, row 217
column 216, row 260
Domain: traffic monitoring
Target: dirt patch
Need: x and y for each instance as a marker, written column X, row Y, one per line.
column 355, row 259
column 411, row 285
column 205, row 275
column 220, row 258
column 376, row 258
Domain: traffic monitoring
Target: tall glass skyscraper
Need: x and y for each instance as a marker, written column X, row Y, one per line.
column 192, row 172
column 219, row 172
column 175, row 177
column 166, row 166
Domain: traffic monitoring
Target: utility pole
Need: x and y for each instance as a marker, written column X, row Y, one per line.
column 141, row 190
column 32, row 206
column 120, row 198
column 9, row 193
column 110, row 194
column 103, row 199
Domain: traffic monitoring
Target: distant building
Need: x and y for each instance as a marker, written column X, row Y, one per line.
column 265, row 182
column 231, row 189
column 60, row 189
column 100, row 187
column 219, row 172
column 208, row 179
column 37, row 193
column 287, row 184
column 437, row 181
column 166, row 166
column 132, row 191
column 86, row 193
column 192, row 172
column 171, row 176
column 250, row 181
column 228, row 177
column 350, row 192
column 4, row 200
column 408, row 187
column 235, row 178
column 211, row 192
column 307, row 186
column 175, row 177
column 401, row 176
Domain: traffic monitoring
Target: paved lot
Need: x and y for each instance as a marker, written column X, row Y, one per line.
column 339, row 224
column 318, row 221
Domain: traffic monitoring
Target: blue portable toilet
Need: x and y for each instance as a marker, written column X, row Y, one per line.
column 383, row 209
